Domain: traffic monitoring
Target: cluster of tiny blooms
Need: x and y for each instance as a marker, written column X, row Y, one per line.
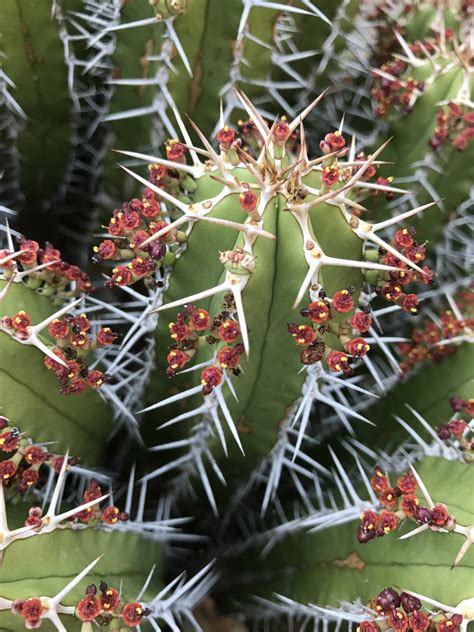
column 403, row 612
column 425, row 340
column 73, row 341
column 57, row 280
column 459, row 431
column 333, row 173
column 454, row 127
column 313, row 338
column 22, row 460
column 194, row 327
column 400, row 503
column 93, row 515
column 392, row 285
column 141, row 218
column 395, row 89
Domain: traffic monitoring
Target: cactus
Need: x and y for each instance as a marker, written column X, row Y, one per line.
column 254, row 411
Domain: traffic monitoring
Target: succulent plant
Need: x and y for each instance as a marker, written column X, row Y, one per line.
column 252, row 408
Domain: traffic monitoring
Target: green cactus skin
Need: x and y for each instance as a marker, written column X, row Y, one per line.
column 330, row 566
column 30, row 391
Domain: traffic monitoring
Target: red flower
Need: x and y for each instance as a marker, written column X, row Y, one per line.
column 31, row 610
column 407, row 483
column 106, row 336
column 398, row 621
column 226, row 137
column 330, row 175
column 457, row 427
column 418, row 621
column 229, row 331
column 132, row 614
column 177, row 359
column 338, row 361
column 357, row 347
column 404, row 238
column 368, row 626
column 439, row 515
column 149, row 209
column 21, row 321
column 106, row 250
column 248, row 200
column 303, row 334
column 58, row 329
column 388, row 522
column 88, row 608
column 210, row 378
column 199, row 319
column 447, row 625
column 318, row 312
column 9, row 441
column 229, row 357
column 110, row 515
column 29, row 477
column 408, row 504
column 141, row 266
column 120, row 276
column 95, row 378
column 342, row 301
column 109, row 599
column 379, row 481
column 179, row 331
column 410, row 303
column 389, row 498
column 362, row 321
column 7, row 470
column 35, row 454
column 335, row 141
column 174, row 150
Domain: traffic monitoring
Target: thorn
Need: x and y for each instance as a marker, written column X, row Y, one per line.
column 422, row 487
column 159, row 161
column 300, row 118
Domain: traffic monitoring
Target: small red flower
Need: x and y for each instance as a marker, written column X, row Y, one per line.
column 439, row 515
column 342, row 301
column 9, row 441
column 407, row 483
column 81, row 323
column 132, row 614
column 29, row 477
column 229, row 331
column 338, row 361
column 388, row 522
column 330, row 175
column 457, row 427
column 31, row 247
column 229, row 357
column 149, row 209
column 58, row 329
column 175, row 150
column 379, row 481
column 248, row 200
column 447, row 625
column 31, row 609
column 109, row 599
column 303, row 334
column 88, row 608
column 334, row 141
column 404, row 238
column 110, row 515
column 281, row 132
column 210, row 378
column 106, row 250
column 179, row 331
column 106, row 336
column 7, row 470
column 177, row 359
column 95, row 378
column 398, row 621
column 226, row 137
column 80, row 340
column 21, row 321
column 120, row 276
column 408, row 504
column 199, row 319
column 318, row 312
column 389, row 498
column 418, row 621
column 357, row 347
column 35, row 454
column 362, row 321
column 410, row 303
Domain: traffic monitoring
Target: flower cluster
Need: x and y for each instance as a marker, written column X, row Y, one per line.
column 431, row 341
column 94, row 515
column 21, row 467
column 47, row 273
column 400, row 503
column 454, row 126
column 402, row 612
column 139, row 220
column 459, row 431
column 73, row 341
column 104, row 604
column 393, row 288
column 194, row 327
column 393, row 92
column 316, row 338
